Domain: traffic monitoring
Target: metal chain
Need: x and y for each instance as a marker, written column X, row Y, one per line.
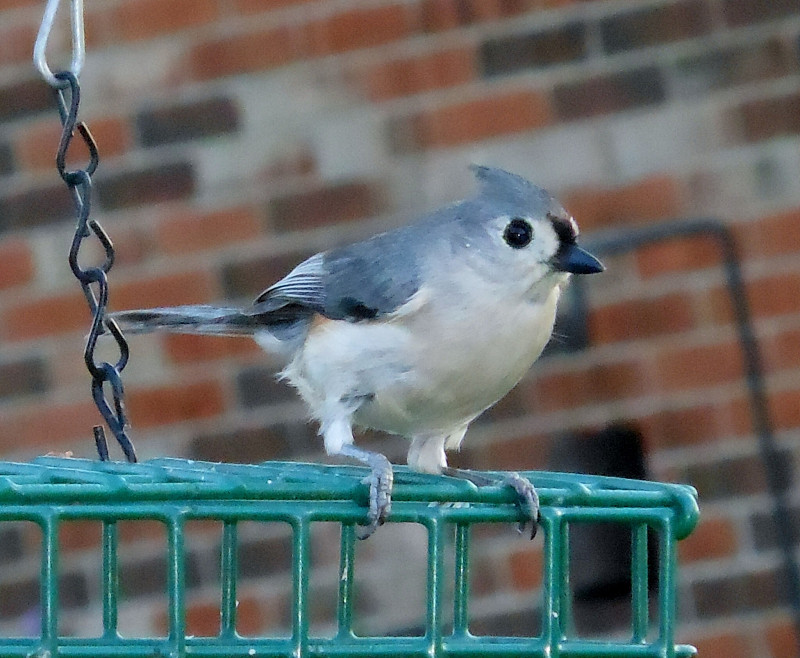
column 93, row 280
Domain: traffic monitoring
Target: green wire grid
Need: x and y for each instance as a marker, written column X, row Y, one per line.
column 173, row 492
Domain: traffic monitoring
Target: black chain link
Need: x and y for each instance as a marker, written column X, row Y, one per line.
column 93, row 280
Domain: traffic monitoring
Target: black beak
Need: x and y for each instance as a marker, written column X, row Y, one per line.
column 571, row 258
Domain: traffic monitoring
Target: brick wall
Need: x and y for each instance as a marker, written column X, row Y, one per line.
column 238, row 136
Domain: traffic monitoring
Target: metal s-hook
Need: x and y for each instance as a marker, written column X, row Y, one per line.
column 78, row 41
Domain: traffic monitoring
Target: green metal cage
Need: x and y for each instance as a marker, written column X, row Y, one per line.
column 52, row 491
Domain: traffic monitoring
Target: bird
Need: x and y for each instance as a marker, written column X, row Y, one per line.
column 415, row 331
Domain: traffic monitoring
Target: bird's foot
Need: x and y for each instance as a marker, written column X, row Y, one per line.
column 380, row 482
column 527, row 501
column 527, row 498
column 380, row 495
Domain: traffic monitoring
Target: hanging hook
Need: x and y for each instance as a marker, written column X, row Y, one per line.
column 78, row 41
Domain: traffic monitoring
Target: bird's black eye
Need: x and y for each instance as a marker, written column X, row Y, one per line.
column 518, row 233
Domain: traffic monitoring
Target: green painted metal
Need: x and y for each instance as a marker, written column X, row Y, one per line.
column 50, row 491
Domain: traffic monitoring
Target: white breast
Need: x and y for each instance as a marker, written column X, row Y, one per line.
column 430, row 368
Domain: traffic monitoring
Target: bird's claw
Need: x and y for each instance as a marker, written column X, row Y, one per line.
column 380, row 496
column 527, row 501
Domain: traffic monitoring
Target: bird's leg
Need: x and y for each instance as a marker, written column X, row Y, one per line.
column 380, row 486
column 527, row 498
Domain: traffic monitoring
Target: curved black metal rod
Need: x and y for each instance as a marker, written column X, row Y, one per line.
column 618, row 241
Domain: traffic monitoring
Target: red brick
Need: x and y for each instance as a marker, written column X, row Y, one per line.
column 527, row 452
column 781, row 351
column 785, row 409
column 141, row 530
column 481, row 118
column 144, row 19
column 736, row 417
column 79, row 535
column 774, row 295
column 560, row 390
column 723, row 645
column 764, row 118
column 527, row 567
column 167, row 290
column 404, row 77
column 66, row 426
column 653, row 198
column 682, row 255
column 670, row 428
column 189, row 231
column 782, row 640
column 773, row 235
column 99, row 25
column 133, row 244
column 262, row 6
column 358, row 28
column 36, row 146
column 16, row 263
column 598, row 383
column 640, row 318
column 612, row 381
column 244, row 53
column 698, row 366
column 16, row 43
column 189, row 348
column 720, row 306
column 46, row 316
column 713, row 539
column 203, row 618
column 174, row 404
column 10, row 4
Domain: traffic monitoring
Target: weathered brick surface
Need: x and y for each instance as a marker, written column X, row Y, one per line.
column 438, row 15
column 33, row 207
column 25, row 98
column 237, row 138
column 162, row 406
column 22, row 377
column 499, row 113
column 608, row 94
column 162, row 182
column 249, row 278
column 647, row 27
column 188, row 121
column 252, row 51
column 736, row 594
column 510, row 54
column 341, row 202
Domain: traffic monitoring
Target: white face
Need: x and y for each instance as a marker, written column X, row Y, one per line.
column 523, row 248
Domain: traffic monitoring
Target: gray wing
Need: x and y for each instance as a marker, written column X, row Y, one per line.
column 362, row 281
column 303, row 286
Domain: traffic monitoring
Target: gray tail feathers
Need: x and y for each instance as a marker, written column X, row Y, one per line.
column 189, row 320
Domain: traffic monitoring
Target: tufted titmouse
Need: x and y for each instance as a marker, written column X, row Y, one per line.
column 415, row 331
